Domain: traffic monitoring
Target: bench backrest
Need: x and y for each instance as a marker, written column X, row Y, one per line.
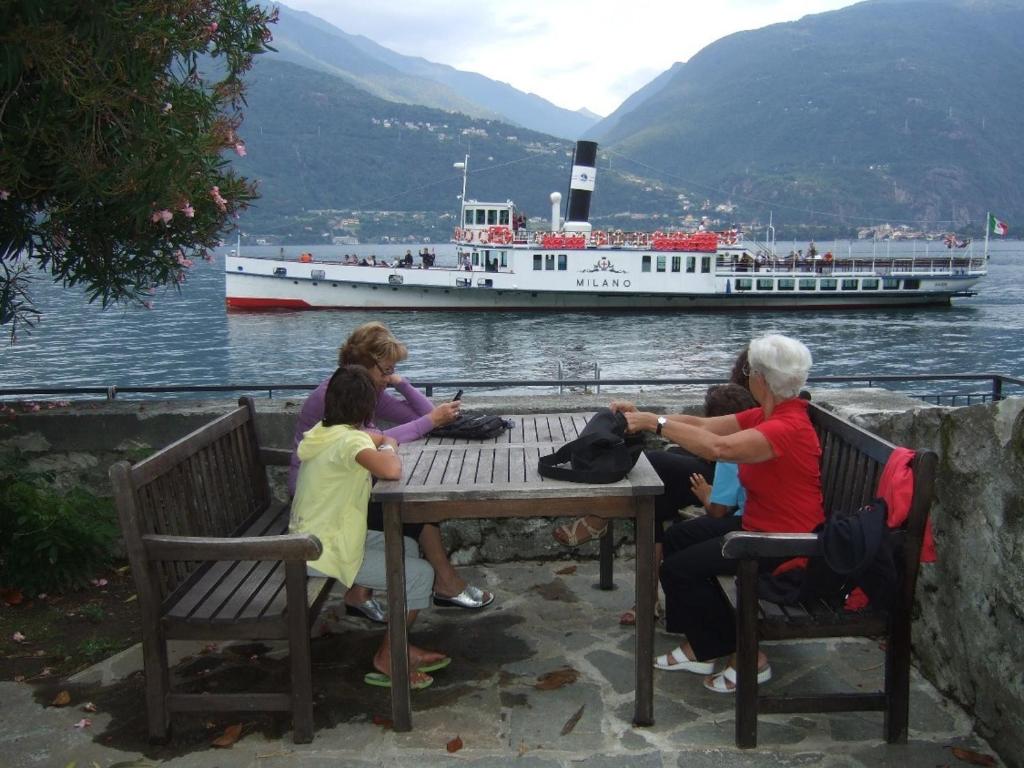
column 209, row 484
column 852, row 461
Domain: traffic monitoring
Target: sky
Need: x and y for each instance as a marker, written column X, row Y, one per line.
column 574, row 53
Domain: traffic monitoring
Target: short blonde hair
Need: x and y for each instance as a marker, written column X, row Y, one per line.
column 371, row 344
column 784, row 362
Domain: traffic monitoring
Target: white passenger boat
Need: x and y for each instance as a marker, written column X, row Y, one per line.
column 503, row 265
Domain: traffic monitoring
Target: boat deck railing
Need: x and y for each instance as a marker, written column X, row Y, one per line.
column 941, row 389
column 873, row 265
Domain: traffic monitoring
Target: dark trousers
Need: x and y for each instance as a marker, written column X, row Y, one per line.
column 674, row 467
column 375, row 522
column 694, row 603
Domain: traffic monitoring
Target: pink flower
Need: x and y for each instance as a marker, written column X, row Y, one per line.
column 220, row 201
column 164, row 215
column 187, row 209
column 167, row 107
column 240, row 149
column 212, row 27
column 18, row 637
column 4, row 194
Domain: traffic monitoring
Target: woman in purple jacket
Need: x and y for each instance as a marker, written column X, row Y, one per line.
column 411, row 416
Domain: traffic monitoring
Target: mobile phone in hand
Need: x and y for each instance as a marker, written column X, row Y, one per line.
column 458, row 396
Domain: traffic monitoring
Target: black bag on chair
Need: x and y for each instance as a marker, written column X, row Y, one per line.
column 603, row 453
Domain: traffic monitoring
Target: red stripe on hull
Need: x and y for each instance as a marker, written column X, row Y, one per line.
column 240, row 303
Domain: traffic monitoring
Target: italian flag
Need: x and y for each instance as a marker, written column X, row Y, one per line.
column 997, row 227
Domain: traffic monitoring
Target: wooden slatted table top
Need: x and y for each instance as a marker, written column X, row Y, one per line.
column 504, row 467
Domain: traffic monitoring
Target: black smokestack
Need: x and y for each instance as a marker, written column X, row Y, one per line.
column 584, row 174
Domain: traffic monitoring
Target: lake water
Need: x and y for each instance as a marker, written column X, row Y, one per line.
column 189, row 338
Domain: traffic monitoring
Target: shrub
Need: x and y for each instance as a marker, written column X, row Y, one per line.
column 52, row 540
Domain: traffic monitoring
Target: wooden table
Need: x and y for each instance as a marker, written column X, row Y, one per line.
column 445, row 479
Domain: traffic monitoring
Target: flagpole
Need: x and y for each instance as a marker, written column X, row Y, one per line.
column 988, row 221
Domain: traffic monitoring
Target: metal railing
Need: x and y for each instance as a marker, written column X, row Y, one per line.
column 996, row 384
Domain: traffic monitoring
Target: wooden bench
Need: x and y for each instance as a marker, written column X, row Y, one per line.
column 212, row 559
column 851, row 465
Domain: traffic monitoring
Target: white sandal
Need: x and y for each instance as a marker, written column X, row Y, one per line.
column 720, row 683
column 571, row 532
column 677, row 661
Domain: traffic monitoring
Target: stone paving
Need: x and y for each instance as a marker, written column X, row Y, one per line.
column 542, row 621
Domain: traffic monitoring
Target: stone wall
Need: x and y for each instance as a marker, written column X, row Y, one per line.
column 970, row 615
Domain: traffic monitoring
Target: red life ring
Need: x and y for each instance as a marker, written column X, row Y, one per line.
column 482, row 237
column 601, row 237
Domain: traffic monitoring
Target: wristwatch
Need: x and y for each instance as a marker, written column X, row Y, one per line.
column 386, row 447
column 662, row 421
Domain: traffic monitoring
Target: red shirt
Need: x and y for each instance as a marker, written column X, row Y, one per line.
column 784, row 493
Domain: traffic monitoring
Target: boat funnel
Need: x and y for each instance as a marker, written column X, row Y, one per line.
column 556, row 211
column 581, row 186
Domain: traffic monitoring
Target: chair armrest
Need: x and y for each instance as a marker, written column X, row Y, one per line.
column 751, row 544
column 288, row 546
column 276, row 457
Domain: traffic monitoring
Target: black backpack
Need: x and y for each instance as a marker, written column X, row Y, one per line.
column 480, row 427
column 603, row 453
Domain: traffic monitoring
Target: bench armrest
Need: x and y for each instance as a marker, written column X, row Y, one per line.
column 747, row 544
column 288, row 546
column 276, row 457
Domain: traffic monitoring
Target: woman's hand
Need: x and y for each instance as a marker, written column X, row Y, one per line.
column 639, row 421
column 393, row 380
column 700, row 488
column 445, row 413
column 621, row 406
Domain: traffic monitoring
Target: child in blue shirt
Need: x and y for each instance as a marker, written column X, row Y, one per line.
column 724, row 495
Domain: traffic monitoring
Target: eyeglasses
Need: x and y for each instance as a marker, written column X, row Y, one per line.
column 386, row 371
column 748, row 371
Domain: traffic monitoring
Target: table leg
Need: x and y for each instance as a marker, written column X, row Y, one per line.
column 401, row 704
column 646, row 594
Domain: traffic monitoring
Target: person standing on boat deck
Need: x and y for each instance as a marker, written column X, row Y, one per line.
column 408, row 258
column 779, row 455
column 332, row 490
column 374, row 347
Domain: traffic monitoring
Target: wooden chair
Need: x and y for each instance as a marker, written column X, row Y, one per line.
column 212, row 559
column 851, row 465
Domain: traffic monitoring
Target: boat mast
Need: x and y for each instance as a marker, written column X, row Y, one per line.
column 464, row 167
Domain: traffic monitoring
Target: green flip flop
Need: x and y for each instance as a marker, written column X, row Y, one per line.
column 436, row 665
column 381, row 680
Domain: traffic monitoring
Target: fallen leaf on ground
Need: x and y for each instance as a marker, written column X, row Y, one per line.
column 557, row 678
column 571, row 722
column 130, row 598
column 18, row 637
column 454, row 745
column 972, row 757
column 231, row 734
column 11, row 596
column 567, row 571
column 88, row 707
column 62, row 699
column 85, row 722
column 383, row 722
column 19, row 678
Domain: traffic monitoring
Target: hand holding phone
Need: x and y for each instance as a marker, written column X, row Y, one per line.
column 458, row 396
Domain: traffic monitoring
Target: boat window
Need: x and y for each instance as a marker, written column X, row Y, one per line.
column 691, row 264
column 765, row 284
column 476, row 259
column 563, row 262
column 849, row 285
column 661, row 263
column 549, row 261
column 705, row 264
column 912, row 284
column 536, row 262
column 395, row 280
column 807, row 283
column 480, row 214
column 504, row 258
column 463, row 282
column 890, row 284
column 827, row 284
column 492, row 216
column 869, row 284
column 743, row 283
column 503, row 216
column 280, row 271
column 677, row 263
column 317, row 274
column 485, row 282
column 786, row 284
column 469, row 215
column 645, row 264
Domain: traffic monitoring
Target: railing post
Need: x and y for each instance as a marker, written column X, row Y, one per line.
column 997, row 388
column 429, row 390
column 559, row 377
column 597, row 376
column 111, row 393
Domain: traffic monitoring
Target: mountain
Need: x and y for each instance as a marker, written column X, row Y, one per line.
column 600, row 130
column 318, row 144
column 309, row 41
column 908, row 110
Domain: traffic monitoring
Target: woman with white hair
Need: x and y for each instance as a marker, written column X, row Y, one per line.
column 779, row 456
